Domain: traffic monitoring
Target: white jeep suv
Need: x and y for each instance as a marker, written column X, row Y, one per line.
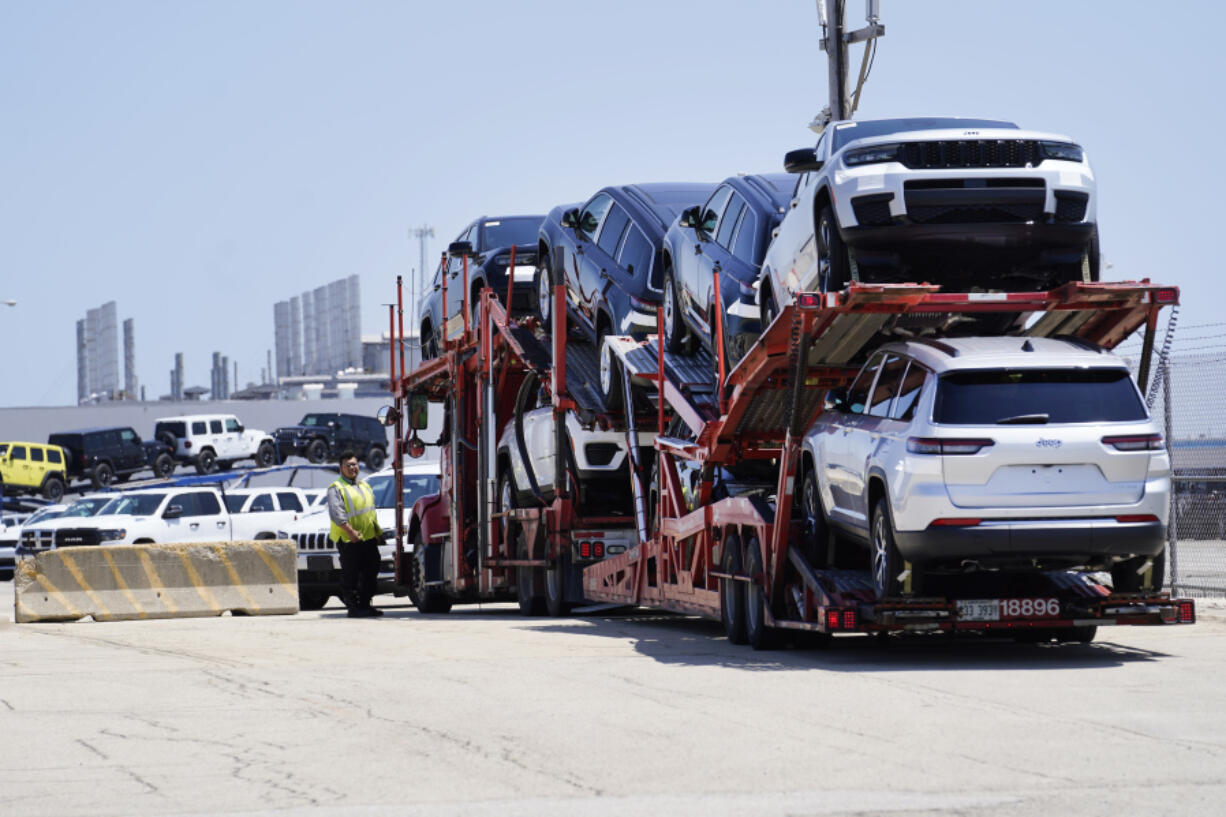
column 214, row 442
column 1004, row 454
column 964, row 203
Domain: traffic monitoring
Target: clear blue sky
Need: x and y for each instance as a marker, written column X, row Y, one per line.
column 199, row 161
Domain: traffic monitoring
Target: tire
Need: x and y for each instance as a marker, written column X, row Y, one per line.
column 375, row 458
column 885, row 562
column 53, row 488
column 544, row 292
column 768, row 311
column 1125, row 579
column 731, row 591
column 529, row 582
column 610, row 374
column 506, row 502
column 832, row 262
column 1090, row 262
column 206, row 462
column 674, row 324
column 1081, row 635
column 555, row 587
column 163, row 466
column 312, row 599
column 759, row 636
column 266, row 454
column 317, row 451
column 169, row 440
column 428, row 600
column 102, row 475
column 817, row 530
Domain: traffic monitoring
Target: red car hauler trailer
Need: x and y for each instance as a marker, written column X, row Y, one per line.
column 739, row 559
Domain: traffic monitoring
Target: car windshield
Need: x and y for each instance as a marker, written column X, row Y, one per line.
column 507, row 231
column 88, row 506
column 313, row 420
column 136, row 504
column 845, row 132
column 1056, row 395
column 415, row 487
column 44, row 515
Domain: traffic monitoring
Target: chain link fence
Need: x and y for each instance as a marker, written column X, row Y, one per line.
column 1187, row 396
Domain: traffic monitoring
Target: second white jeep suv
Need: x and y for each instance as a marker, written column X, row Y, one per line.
column 999, row 454
column 214, row 442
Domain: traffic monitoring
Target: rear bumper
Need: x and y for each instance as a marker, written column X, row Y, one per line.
column 1075, row 541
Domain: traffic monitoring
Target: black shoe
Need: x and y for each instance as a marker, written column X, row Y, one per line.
column 374, row 612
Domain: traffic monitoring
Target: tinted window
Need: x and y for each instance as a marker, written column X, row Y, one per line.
column 178, row 429
column 199, row 427
column 18, row 452
column 508, row 231
column 729, row 220
column 714, row 207
column 1064, row 395
column 289, row 501
column 215, row 426
column 909, row 393
column 114, row 439
column 635, row 254
column 137, row 504
column 232, row 425
column 234, row 502
column 88, row 506
column 53, row 455
column 262, row 504
column 611, row 230
column 200, row 504
column 127, row 435
column 745, row 245
column 886, row 386
column 36, row 454
column 417, row 486
column 591, row 215
column 857, row 395
column 313, row 420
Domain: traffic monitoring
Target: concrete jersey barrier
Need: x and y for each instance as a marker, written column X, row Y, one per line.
column 182, row 580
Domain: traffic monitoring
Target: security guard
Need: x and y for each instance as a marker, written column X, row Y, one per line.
column 356, row 534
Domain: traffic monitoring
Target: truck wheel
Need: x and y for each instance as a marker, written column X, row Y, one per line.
column 555, row 587
column 53, row 488
column 374, row 458
column 317, row 451
column 1125, row 579
column 312, row 599
column 831, row 254
column 206, row 462
column 266, row 454
column 529, row 583
column 544, row 292
column 759, row 636
column 885, row 560
column 817, row 531
column 428, row 599
column 102, row 476
column 731, row 591
column 674, row 324
column 610, row 374
column 163, row 466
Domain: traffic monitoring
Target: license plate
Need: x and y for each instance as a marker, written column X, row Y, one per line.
column 979, row 609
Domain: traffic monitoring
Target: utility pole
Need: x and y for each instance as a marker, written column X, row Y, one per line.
column 419, row 279
column 835, row 41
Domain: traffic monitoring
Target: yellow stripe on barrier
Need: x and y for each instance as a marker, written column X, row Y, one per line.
column 220, row 550
column 281, row 578
column 155, row 581
column 127, row 592
column 205, row 594
column 71, row 565
column 54, row 592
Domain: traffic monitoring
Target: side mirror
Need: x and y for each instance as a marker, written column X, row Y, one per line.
column 459, row 248
column 571, row 218
column 387, row 416
column 173, row 512
column 419, row 411
column 240, row 428
column 801, row 160
column 416, row 447
column 689, row 217
column 836, row 399
column 138, row 440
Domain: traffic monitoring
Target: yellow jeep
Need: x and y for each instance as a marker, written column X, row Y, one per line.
column 32, row 468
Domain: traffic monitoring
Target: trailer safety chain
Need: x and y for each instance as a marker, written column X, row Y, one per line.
column 1163, row 358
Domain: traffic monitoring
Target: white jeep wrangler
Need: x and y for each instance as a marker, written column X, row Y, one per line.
column 214, row 442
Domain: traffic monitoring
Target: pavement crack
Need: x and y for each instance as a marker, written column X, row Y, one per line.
column 93, row 749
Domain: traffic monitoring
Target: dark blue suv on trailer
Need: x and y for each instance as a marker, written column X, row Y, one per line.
column 606, row 252
column 731, row 232
column 491, row 240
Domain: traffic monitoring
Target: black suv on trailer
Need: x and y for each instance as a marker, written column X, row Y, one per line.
column 104, row 455
column 321, row 436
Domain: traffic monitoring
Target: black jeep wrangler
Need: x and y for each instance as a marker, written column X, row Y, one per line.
column 322, row 436
column 105, row 455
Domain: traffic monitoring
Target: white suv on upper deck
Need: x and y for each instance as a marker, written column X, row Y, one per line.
column 214, row 442
column 1002, row 453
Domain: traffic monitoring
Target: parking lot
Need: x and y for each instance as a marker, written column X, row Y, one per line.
column 484, row 712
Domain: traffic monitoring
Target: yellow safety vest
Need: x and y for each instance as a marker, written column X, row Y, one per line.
column 360, row 505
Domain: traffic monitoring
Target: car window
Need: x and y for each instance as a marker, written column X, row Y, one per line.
column 289, row 501
column 127, row 435
column 728, row 221
column 311, row 420
column 199, row 427
column 262, row 504
column 417, row 486
column 176, row 429
column 215, row 427
column 231, row 425
column 3, row 448
column 234, row 502
column 593, row 213
column 820, row 150
column 990, row 396
column 909, row 392
column 611, row 231
column 136, row 504
column 857, row 395
column 711, row 211
column 114, row 439
column 886, row 386
column 745, row 244
column 635, row 253
column 53, row 456
column 36, row 454
column 18, row 453
column 201, row 504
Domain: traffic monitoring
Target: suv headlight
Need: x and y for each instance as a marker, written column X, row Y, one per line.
column 112, row 534
column 1065, row 151
column 871, row 155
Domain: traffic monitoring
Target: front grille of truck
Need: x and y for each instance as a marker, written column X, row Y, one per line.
column 970, row 153
column 77, row 537
column 313, row 541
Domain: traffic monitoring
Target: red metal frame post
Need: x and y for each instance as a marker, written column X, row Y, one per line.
column 400, row 312
column 467, row 328
column 443, row 262
column 659, row 409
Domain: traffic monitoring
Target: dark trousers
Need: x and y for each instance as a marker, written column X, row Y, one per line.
column 359, row 571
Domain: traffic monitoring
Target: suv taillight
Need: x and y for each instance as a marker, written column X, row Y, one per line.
column 1135, row 442
column 941, row 445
